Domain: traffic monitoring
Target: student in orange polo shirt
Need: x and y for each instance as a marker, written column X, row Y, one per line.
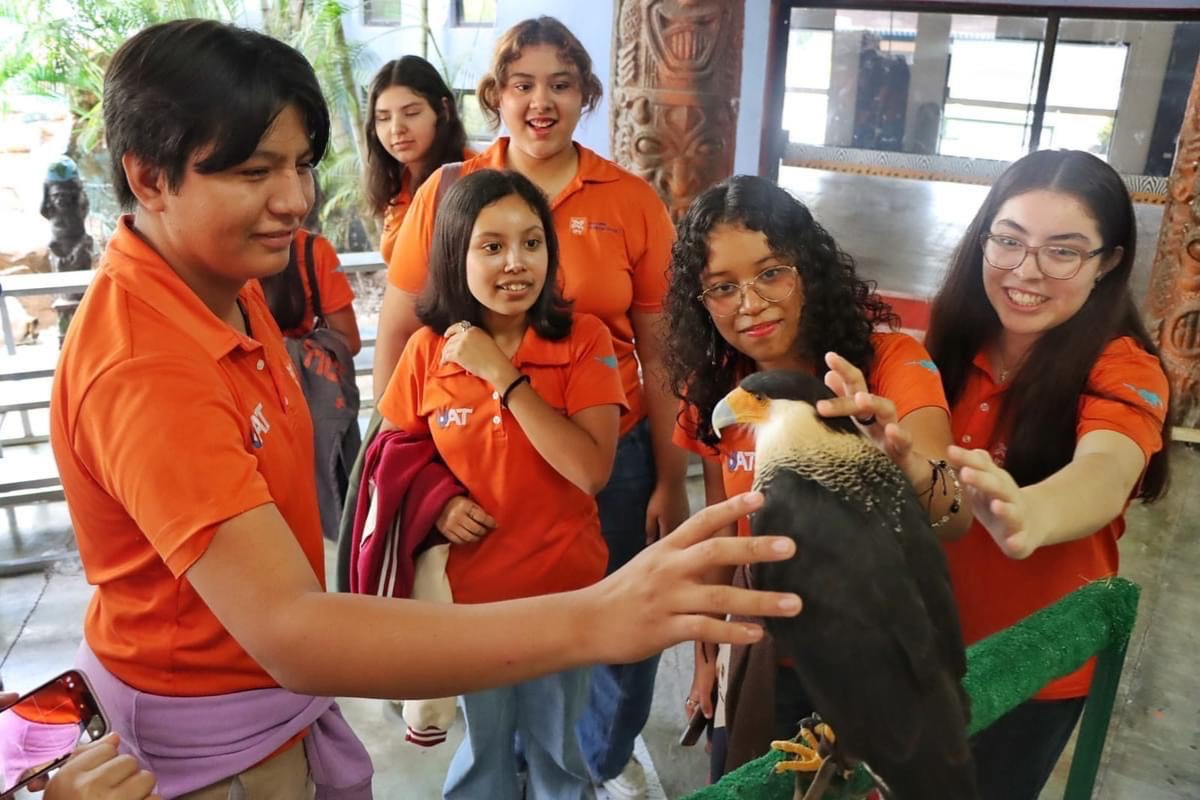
column 757, row 284
column 615, row 236
column 1058, row 402
column 519, row 395
column 185, row 451
column 412, row 128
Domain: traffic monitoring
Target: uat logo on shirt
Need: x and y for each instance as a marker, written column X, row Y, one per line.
column 258, row 426
column 578, row 225
column 456, row 417
column 740, row 461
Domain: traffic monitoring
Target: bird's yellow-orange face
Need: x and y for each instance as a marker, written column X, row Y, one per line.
column 740, row 407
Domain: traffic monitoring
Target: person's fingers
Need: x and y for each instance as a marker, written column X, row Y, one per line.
column 457, row 535
column 116, row 771
column 730, row 551
column 472, row 528
column 137, row 786
column 707, row 629
column 983, row 481
column 898, row 441
column 705, row 523
column 93, row 754
column 477, row 513
column 851, row 376
column 723, row 599
column 837, row 407
column 1005, row 512
column 960, row 457
column 8, row 698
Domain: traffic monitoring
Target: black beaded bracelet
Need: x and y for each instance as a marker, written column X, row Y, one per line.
column 504, row 397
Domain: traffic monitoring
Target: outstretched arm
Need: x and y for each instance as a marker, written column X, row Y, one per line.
column 256, row 580
column 1073, row 503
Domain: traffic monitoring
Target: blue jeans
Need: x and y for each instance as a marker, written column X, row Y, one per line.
column 619, row 704
column 544, row 712
column 1016, row 755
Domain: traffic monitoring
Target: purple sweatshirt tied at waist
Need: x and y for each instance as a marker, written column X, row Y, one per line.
column 193, row 742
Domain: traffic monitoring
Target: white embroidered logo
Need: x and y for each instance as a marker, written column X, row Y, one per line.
column 258, row 426
column 578, row 225
column 453, row 416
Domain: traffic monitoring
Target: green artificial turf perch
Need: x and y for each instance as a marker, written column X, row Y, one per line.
column 1003, row 671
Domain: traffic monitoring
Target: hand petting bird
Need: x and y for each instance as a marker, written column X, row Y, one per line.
column 878, row 649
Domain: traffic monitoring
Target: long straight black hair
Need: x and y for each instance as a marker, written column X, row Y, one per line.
column 447, row 298
column 1041, row 407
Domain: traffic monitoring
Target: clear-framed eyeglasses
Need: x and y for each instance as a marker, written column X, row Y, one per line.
column 1056, row 261
column 773, row 284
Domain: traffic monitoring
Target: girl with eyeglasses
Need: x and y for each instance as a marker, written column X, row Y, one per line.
column 1058, row 402
column 756, row 284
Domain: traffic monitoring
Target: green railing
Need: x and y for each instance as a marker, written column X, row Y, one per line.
column 1003, row 671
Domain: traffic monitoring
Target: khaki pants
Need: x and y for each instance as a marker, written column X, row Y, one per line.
column 281, row 777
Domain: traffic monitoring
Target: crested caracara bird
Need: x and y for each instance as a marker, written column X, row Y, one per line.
column 878, row 646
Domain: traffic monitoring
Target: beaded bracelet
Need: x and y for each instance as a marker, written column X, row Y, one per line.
column 517, row 382
column 940, row 470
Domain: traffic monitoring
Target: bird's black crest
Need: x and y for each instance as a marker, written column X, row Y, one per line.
column 789, row 384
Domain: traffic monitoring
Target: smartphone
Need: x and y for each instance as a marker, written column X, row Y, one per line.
column 39, row 731
column 696, row 726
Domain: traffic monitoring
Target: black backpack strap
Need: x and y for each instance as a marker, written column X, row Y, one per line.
column 313, row 287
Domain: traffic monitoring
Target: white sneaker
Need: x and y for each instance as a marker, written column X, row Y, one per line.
column 629, row 785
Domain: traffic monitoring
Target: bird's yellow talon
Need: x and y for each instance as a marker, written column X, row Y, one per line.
column 808, row 759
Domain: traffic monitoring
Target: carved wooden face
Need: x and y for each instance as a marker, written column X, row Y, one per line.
column 677, row 150
column 684, row 33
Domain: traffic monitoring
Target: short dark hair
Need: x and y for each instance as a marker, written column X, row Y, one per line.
column 840, row 309
column 447, row 298
column 383, row 172
column 1041, row 406
column 178, row 87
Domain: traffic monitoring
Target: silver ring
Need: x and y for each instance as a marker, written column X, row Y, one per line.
column 690, row 702
column 465, row 325
column 866, row 423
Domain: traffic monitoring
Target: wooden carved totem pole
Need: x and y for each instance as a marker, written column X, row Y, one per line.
column 675, row 89
column 1173, row 306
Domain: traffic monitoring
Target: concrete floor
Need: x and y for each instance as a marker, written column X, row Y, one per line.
column 1155, row 733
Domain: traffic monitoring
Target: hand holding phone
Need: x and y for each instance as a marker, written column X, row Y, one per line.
column 41, row 728
column 695, row 727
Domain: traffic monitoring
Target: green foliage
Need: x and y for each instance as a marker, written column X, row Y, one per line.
column 58, row 55
column 45, row 52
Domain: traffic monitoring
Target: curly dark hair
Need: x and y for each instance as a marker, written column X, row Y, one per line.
column 840, row 310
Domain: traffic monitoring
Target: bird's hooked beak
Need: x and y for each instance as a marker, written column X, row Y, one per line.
column 740, row 407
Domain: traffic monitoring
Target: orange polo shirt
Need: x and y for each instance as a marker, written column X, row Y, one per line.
column 398, row 207
column 614, row 240
column 165, row 423
column 995, row 592
column 547, row 538
column 902, row 372
column 332, row 283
